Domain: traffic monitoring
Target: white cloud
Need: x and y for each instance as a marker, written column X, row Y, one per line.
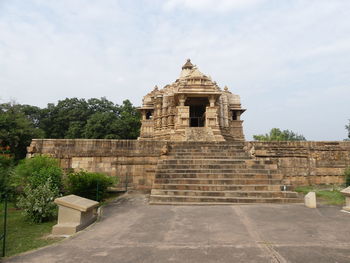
column 211, row 5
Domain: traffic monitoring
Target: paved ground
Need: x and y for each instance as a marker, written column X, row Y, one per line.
column 130, row 230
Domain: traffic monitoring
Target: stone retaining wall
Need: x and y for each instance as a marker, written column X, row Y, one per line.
column 304, row 163
column 134, row 162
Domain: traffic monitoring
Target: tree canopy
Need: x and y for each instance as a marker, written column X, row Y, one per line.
column 347, row 127
column 277, row 135
column 17, row 129
column 70, row 118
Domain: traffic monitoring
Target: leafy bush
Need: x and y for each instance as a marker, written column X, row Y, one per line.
column 347, row 177
column 277, row 135
column 37, row 202
column 6, row 166
column 37, row 170
column 88, row 185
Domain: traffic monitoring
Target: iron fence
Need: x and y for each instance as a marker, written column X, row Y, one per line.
column 4, row 228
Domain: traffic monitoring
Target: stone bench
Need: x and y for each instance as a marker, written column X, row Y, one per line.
column 346, row 193
column 74, row 214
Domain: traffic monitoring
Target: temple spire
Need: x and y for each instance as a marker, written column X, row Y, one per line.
column 188, row 65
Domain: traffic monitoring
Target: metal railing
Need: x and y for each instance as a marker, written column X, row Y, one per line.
column 3, row 235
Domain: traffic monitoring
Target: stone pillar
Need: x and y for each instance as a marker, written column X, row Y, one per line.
column 183, row 116
column 238, row 114
column 158, row 111
column 212, row 100
column 182, row 100
column 211, row 117
column 143, row 115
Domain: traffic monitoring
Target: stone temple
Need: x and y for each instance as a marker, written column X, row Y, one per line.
column 192, row 150
column 193, row 108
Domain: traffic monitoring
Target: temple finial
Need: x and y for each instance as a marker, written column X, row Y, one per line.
column 188, row 65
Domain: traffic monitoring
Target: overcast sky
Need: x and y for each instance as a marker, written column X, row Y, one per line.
column 289, row 60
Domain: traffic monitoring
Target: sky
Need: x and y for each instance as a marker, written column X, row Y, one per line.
column 289, row 60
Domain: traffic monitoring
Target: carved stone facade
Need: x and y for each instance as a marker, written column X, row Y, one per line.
column 193, row 108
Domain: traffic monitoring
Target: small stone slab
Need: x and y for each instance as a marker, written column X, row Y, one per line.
column 310, row 200
column 346, row 193
column 76, row 202
column 74, row 214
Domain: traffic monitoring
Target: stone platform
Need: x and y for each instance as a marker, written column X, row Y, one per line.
column 132, row 231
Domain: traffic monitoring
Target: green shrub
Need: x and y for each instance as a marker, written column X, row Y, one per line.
column 6, row 167
column 37, row 202
column 85, row 184
column 347, row 177
column 36, row 171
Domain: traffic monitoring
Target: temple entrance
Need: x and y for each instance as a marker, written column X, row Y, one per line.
column 197, row 111
column 197, row 116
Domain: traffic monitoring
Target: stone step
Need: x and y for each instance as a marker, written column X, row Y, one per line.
column 192, row 151
column 221, row 181
column 206, row 144
column 164, row 199
column 209, row 203
column 206, row 150
column 226, row 193
column 210, row 166
column 232, row 171
column 218, row 187
column 202, row 161
column 216, row 161
column 206, row 157
column 218, row 175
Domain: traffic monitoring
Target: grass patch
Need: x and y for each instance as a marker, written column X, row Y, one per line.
column 329, row 195
column 23, row 235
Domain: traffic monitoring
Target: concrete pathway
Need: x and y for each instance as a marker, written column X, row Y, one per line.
column 132, row 231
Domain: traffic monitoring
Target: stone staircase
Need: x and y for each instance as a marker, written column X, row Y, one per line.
column 210, row 173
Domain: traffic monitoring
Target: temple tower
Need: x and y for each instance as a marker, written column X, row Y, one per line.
column 193, row 108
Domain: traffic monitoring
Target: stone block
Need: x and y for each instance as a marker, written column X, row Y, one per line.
column 310, row 200
column 346, row 193
column 74, row 214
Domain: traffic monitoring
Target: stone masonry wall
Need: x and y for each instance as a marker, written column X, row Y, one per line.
column 134, row 162
column 305, row 163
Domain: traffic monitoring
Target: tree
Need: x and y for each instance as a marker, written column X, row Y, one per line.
column 128, row 124
column 102, row 125
column 16, row 129
column 70, row 118
column 93, row 119
column 347, row 127
column 278, row 135
column 122, row 122
column 56, row 120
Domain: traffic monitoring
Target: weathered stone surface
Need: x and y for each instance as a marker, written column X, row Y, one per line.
column 310, row 200
column 346, row 193
column 135, row 162
column 76, row 202
column 206, row 173
column 74, row 214
column 305, row 162
column 193, row 100
column 131, row 231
